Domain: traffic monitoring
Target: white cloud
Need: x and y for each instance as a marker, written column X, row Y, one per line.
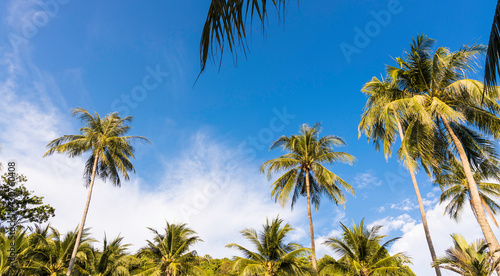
column 405, row 205
column 403, row 223
column 366, row 179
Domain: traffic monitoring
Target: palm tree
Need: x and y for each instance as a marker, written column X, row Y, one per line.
column 304, row 173
column 169, row 253
column 50, row 251
column 108, row 262
column 110, row 153
column 453, row 106
column 468, row 259
column 226, row 22
column 362, row 254
column 273, row 256
column 456, row 189
column 382, row 121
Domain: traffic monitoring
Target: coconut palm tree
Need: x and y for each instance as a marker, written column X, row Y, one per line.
column 453, row 106
column 362, row 254
column 383, row 120
column 273, row 256
column 112, row 260
column 468, row 259
column 169, row 253
column 226, row 22
column 50, row 251
column 456, row 189
column 304, row 173
column 109, row 149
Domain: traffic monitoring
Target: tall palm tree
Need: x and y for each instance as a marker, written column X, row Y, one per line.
column 456, row 189
column 50, row 251
column 453, row 106
column 362, row 254
column 468, row 259
column 108, row 262
column 170, row 253
column 383, row 121
column 109, row 149
column 225, row 23
column 304, row 174
column 273, row 256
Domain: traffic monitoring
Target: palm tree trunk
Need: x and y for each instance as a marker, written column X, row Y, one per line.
column 79, row 236
column 421, row 207
column 311, row 230
column 474, row 195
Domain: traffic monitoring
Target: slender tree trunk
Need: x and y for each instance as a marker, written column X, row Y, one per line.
column 311, row 230
column 474, row 195
column 421, row 207
column 82, row 224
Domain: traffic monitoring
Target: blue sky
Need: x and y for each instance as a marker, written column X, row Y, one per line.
column 96, row 54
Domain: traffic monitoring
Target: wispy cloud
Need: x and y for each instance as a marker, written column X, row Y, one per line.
column 405, row 205
column 366, row 179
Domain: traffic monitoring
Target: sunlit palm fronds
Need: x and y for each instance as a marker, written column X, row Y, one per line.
column 362, row 253
column 468, row 259
column 273, row 256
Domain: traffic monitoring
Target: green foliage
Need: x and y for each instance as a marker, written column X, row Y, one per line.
column 456, row 188
column 18, row 205
column 468, row 259
column 363, row 254
column 273, row 257
column 110, row 261
column 169, row 253
column 213, row 267
column 14, row 251
column 50, row 251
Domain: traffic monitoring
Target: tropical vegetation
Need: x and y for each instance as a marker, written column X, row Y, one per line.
column 363, row 253
column 273, row 256
column 426, row 105
column 472, row 259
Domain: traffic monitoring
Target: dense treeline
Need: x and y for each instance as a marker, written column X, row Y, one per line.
column 45, row 251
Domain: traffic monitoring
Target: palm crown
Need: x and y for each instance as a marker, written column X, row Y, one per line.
column 273, row 255
column 456, row 188
column 362, row 253
column 104, row 138
column 307, row 153
column 170, row 252
column 467, row 259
